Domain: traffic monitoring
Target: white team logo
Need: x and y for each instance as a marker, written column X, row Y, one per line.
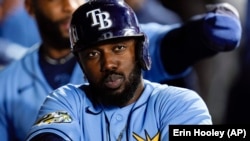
column 100, row 18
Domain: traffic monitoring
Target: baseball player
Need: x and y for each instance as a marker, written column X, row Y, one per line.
column 26, row 82
column 117, row 103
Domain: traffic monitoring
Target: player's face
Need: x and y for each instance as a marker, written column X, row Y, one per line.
column 53, row 19
column 112, row 71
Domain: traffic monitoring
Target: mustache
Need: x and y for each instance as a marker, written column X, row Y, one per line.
column 112, row 76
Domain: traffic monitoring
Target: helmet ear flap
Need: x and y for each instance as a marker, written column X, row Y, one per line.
column 78, row 59
column 143, row 54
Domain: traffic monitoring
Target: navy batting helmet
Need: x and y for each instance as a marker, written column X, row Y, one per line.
column 101, row 20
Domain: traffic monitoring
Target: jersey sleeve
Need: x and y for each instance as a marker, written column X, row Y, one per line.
column 57, row 117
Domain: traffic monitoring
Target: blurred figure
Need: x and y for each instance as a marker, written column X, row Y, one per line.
column 7, row 7
column 18, row 31
column 16, row 24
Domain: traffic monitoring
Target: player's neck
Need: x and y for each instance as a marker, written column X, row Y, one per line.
column 55, row 56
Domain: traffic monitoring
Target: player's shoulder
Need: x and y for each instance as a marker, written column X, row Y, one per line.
column 69, row 94
column 180, row 99
column 69, row 90
column 171, row 93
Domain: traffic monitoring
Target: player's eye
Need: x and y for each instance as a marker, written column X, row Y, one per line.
column 91, row 54
column 120, row 48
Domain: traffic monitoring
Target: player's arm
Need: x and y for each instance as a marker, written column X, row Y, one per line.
column 56, row 120
column 218, row 30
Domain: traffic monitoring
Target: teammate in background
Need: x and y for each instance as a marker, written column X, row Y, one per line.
column 117, row 101
column 26, row 83
column 17, row 31
column 16, row 25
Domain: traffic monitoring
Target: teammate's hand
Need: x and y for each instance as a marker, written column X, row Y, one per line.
column 222, row 27
column 224, row 8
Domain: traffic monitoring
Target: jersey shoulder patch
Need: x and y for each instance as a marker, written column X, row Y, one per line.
column 55, row 117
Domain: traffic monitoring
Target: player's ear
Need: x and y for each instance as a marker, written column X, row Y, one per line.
column 29, row 5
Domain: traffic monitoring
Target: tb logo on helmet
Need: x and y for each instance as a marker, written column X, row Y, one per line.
column 100, row 18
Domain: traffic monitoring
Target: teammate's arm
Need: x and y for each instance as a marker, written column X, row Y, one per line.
column 218, row 30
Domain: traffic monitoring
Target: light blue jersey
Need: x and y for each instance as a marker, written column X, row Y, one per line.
column 23, row 90
column 24, row 87
column 68, row 112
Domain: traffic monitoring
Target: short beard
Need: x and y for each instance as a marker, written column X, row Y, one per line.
column 50, row 32
column 119, row 99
